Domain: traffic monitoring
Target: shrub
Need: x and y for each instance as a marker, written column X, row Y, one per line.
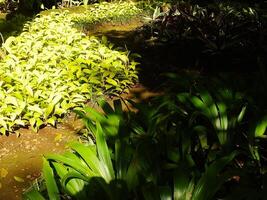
column 192, row 146
column 133, row 159
column 51, row 67
column 219, row 34
column 107, row 12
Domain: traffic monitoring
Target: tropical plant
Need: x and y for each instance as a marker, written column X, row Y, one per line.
column 8, row 6
column 134, row 158
column 210, row 23
column 52, row 67
column 89, row 171
column 108, row 12
column 218, row 31
column 216, row 111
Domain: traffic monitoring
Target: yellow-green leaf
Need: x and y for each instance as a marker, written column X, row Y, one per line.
column 3, row 173
column 18, row 179
column 112, row 82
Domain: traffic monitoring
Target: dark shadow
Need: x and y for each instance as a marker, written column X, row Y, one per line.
column 158, row 58
column 13, row 25
column 97, row 188
column 19, row 13
column 239, row 55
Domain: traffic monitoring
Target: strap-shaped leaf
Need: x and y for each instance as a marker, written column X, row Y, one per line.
column 103, row 153
column 89, row 155
column 106, row 107
column 33, row 195
column 261, row 127
column 181, row 183
column 50, row 181
column 211, row 181
column 165, row 193
column 72, row 163
column 73, row 175
column 73, row 187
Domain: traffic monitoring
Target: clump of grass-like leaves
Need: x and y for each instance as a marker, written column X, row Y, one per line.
column 188, row 146
column 136, row 156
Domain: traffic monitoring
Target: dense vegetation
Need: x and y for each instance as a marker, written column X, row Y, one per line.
column 179, row 146
column 204, row 138
column 52, row 67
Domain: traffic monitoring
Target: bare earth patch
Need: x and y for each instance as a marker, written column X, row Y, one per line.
column 21, row 157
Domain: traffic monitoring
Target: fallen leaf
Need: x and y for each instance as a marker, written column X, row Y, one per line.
column 0, row 185
column 3, row 173
column 17, row 134
column 18, row 179
column 58, row 137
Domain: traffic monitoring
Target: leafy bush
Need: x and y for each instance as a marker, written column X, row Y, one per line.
column 220, row 32
column 197, row 145
column 107, row 12
column 7, row 6
column 133, row 159
column 51, row 67
column 213, row 23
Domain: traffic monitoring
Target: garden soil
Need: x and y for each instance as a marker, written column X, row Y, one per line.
column 21, row 155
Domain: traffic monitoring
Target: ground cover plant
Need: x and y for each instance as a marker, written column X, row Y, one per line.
column 52, row 67
column 109, row 12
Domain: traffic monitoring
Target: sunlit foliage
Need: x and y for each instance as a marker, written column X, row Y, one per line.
column 51, row 67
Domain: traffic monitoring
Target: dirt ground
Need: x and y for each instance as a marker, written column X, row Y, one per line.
column 21, row 157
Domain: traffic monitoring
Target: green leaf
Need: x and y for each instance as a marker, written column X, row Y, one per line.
column 3, row 131
column 74, row 163
column 18, row 179
column 33, row 195
column 56, row 99
column 49, row 110
column 73, row 187
column 165, row 193
column 36, row 108
column 112, row 82
column 70, row 176
column 261, row 127
column 105, row 107
column 94, row 115
column 11, row 100
column 52, row 121
column 211, row 180
column 29, row 90
column 89, row 155
column 181, row 182
column 241, row 114
column 118, row 106
column 8, row 43
column 103, row 153
column 32, row 122
column 50, row 181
